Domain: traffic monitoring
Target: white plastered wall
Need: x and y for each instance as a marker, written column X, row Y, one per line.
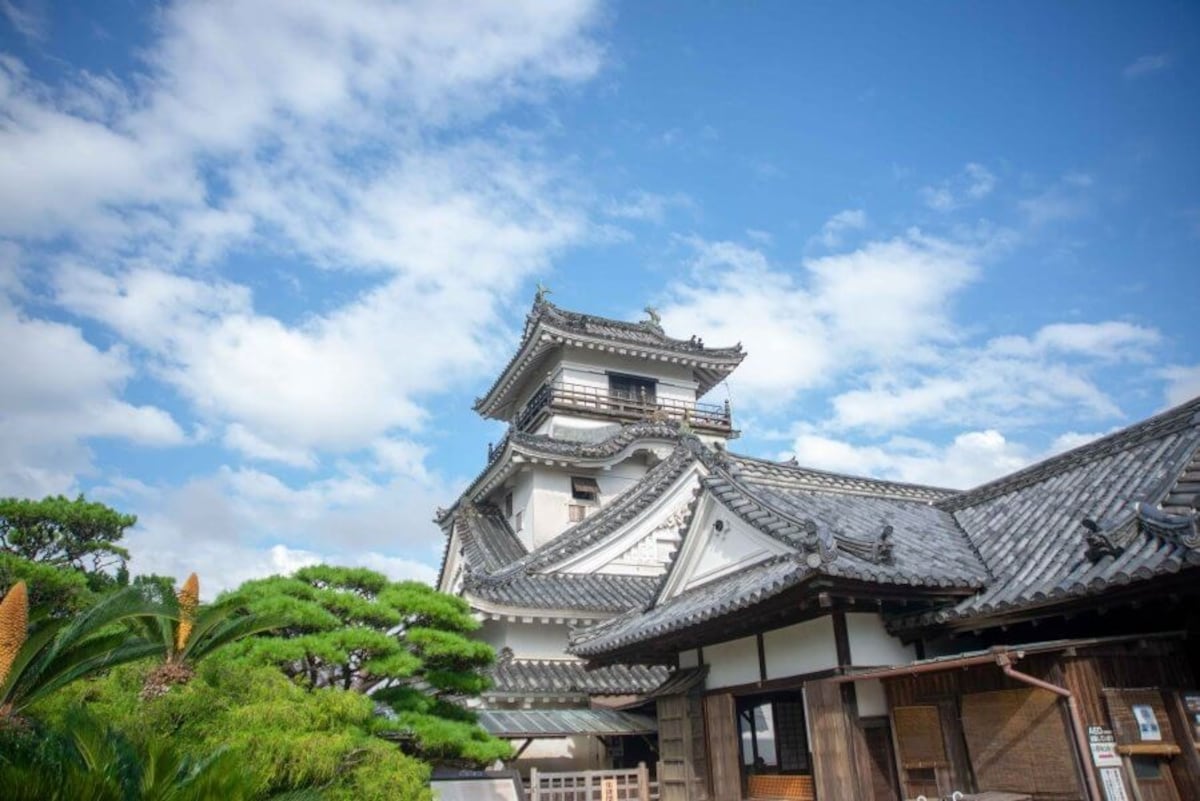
column 731, row 663
column 799, row 649
column 871, row 645
column 527, row 640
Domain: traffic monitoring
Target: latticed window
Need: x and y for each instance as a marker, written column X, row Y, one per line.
column 576, row 512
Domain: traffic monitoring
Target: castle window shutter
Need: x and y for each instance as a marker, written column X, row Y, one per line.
column 584, row 487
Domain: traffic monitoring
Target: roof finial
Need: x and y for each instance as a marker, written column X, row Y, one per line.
column 655, row 319
column 542, row 291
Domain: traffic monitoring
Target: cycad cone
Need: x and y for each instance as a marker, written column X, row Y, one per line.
column 189, row 599
column 14, row 621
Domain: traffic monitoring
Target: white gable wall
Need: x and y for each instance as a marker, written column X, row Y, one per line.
column 709, row 554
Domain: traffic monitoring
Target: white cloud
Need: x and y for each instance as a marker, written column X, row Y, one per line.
column 973, row 183
column 971, row 458
column 1066, row 199
column 62, row 391
column 1146, row 65
column 648, row 206
column 28, row 17
column 886, row 301
column 1183, row 383
column 840, row 224
column 351, row 136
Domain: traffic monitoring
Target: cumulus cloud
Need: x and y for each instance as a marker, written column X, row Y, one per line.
column 886, row 301
column 350, row 137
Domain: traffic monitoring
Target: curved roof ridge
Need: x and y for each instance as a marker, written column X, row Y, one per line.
column 846, row 482
column 1180, row 417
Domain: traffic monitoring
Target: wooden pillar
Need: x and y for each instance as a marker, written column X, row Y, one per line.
column 835, row 770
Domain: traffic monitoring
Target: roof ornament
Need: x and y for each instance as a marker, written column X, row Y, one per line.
column 655, row 320
column 539, row 297
column 1100, row 542
column 819, row 544
column 1183, row 530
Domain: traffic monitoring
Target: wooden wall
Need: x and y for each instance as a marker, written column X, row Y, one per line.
column 834, row 735
column 720, row 725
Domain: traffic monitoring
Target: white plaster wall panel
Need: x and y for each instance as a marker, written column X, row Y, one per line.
column 563, row 754
column 551, row 494
column 522, row 492
column 596, row 362
column 871, row 698
column 689, row 659
column 871, row 645
column 731, row 663
column 492, row 632
column 536, row 640
column 802, row 648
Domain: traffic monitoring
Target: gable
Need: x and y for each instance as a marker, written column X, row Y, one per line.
column 645, row 544
column 717, row 543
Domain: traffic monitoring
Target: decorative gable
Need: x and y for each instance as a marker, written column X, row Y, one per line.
column 717, row 544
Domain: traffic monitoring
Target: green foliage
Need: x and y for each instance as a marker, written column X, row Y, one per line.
column 60, row 591
column 65, row 533
column 405, row 642
column 58, row 651
column 89, row 760
column 284, row 736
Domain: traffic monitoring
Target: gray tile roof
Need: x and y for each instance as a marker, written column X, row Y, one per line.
column 562, row 677
column 594, row 592
column 715, row 599
column 488, row 542
column 522, row 723
column 926, row 546
column 1028, row 527
column 547, row 326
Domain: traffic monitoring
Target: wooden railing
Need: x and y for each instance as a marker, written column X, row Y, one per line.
column 596, row 401
column 631, row 784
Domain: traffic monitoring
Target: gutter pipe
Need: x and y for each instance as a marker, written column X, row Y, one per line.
column 1085, row 755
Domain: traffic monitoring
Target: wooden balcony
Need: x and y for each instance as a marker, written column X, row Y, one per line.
column 596, row 402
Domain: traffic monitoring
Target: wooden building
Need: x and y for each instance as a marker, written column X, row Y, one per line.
column 799, row 633
column 843, row 638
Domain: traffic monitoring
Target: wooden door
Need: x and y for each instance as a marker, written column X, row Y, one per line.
column 721, row 737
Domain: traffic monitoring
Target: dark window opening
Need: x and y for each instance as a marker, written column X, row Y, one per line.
column 631, row 387
column 773, row 736
column 584, row 488
column 508, row 505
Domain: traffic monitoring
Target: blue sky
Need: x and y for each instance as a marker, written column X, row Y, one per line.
column 256, row 260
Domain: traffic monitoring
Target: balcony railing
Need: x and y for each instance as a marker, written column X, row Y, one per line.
column 598, row 402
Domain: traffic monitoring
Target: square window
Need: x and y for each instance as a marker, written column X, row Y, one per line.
column 576, row 512
column 584, row 488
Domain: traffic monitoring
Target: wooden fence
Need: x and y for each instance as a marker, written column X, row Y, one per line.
column 631, row 784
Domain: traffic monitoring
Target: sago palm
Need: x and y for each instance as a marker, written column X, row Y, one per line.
column 40, row 654
column 191, row 632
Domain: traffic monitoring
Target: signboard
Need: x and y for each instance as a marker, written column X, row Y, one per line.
column 1113, row 784
column 1104, row 747
column 1191, row 702
column 608, row 790
column 1148, row 728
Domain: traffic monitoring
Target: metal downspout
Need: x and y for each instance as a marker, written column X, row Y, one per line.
column 1081, row 746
